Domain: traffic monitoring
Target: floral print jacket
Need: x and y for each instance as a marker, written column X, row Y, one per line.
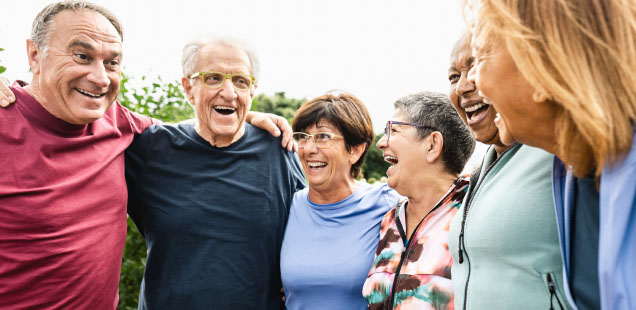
column 415, row 273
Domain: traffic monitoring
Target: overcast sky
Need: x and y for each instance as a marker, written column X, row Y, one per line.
column 378, row 50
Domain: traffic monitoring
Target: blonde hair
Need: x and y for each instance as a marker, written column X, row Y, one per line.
column 582, row 56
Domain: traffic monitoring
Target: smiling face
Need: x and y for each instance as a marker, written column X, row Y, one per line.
column 405, row 152
column 221, row 112
column 327, row 169
column 78, row 78
column 477, row 114
column 503, row 85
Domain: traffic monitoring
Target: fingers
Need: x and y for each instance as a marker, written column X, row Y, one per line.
column 286, row 141
column 6, row 96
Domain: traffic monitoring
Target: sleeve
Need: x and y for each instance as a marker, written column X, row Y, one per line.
column 296, row 172
column 138, row 122
column 295, row 175
column 136, row 161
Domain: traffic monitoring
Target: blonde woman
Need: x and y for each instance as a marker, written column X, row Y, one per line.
column 562, row 76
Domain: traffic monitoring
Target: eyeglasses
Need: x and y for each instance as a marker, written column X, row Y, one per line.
column 387, row 128
column 213, row 79
column 322, row 140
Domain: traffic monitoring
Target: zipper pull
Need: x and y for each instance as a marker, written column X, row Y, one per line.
column 552, row 289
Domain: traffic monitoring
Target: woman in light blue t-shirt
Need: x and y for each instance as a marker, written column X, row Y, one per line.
column 333, row 226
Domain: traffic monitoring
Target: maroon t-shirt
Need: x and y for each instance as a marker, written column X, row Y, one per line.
column 62, row 206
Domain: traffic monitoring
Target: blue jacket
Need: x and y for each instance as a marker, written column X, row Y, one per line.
column 617, row 229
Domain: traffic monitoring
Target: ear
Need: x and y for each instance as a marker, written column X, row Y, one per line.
column 435, row 144
column 356, row 152
column 253, row 90
column 34, row 56
column 185, row 82
column 540, row 95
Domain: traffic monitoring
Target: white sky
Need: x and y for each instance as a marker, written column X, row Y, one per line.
column 378, row 50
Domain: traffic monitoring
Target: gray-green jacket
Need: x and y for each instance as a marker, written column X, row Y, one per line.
column 510, row 256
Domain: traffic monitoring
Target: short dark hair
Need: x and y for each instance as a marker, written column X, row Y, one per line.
column 41, row 28
column 435, row 110
column 345, row 112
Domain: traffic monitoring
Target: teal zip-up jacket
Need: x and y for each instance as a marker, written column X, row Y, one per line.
column 510, row 256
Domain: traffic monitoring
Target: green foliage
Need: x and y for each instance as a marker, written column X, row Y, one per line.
column 279, row 105
column 132, row 268
column 162, row 100
column 374, row 166
column 2, row 69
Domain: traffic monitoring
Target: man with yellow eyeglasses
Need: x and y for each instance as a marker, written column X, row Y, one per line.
column 212, row 198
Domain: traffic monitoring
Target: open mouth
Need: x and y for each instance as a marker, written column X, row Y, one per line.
column 316, row 164
column 475, row 111
column 89, row 94
column 225, row 110
column 390, row 159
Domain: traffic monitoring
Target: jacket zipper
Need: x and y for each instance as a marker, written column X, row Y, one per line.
column 552, row 289
column 462, row 248
column 408, row 243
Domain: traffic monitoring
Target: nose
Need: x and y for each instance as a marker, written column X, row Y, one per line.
column 99, row 75
column 227, row 91
column 382, row 142
column 472, row 75
column 310, row 146
column 464, row 85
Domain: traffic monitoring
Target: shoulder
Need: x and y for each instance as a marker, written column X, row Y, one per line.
column 300, row 198
column 163, row 135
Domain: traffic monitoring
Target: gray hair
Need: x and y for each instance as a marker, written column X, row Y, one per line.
column 192, row 49
column 435, row 110
column 43, row 22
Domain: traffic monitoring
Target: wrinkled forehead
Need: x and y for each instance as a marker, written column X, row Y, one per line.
column 84, row 22
column 223, row 58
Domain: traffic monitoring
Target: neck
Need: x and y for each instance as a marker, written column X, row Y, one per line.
column 335, row 192
column 34, row 90
column 217, row 140
column 426, row 195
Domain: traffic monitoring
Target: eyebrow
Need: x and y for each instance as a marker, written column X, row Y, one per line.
column 89, row 47
column 83, row 44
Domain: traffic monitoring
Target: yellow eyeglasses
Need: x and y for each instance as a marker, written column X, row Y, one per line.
column 213, row 79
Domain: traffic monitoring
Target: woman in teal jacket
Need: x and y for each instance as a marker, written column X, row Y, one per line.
column 504, row 239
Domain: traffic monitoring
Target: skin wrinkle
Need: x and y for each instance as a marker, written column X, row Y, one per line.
column 57, row 75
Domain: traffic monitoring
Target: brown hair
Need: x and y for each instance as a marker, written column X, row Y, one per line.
column 345, row 112
column 581, row 55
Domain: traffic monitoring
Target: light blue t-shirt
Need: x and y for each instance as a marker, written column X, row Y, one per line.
column 328, row 248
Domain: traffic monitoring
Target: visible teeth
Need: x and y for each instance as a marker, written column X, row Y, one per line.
column 476, row 107
column 220, row 107
column 390, row 159
column 314, row 164
column 88, row 93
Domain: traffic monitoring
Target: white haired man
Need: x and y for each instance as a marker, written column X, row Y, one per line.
column 212, row 198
